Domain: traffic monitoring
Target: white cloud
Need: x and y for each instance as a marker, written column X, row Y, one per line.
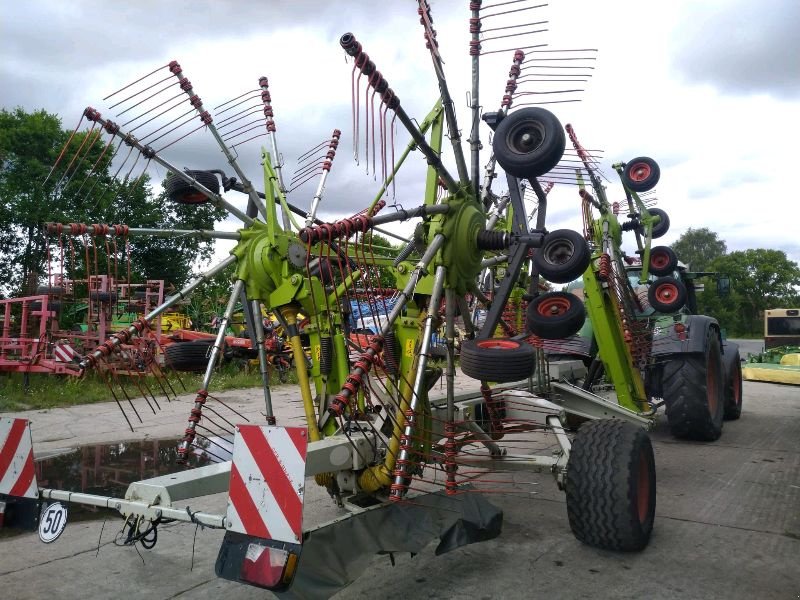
column 724, row 150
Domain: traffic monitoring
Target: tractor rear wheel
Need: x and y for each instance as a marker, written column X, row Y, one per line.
column 733, row 382
column 611, row 485
column 693, row 390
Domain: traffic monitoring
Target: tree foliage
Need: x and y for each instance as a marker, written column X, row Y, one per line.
column 91, row 183
column 698, row 248
column 760, row 279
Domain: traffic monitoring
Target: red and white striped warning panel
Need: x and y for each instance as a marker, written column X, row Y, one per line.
column 63, row 352
column 267, row 482
column 17, row 477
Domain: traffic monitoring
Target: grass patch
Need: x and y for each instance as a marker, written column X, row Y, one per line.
column 55, row 391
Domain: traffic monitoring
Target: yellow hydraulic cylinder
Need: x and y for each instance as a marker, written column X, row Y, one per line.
column 289, row 314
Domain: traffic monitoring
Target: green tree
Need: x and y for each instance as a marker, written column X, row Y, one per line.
column 760, row 279
column 48, row 174
column 698, row 248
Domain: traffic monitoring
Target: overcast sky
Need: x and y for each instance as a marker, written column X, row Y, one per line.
column 710, row 90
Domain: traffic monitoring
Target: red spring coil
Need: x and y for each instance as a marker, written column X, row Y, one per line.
column 450, row 466
column 604, row 271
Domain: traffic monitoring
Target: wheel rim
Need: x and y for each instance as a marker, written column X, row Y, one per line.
column 711, row 386
column 639, row 172
column 498, row 344
column 553, row 307
column 193, row 198
column 659, row 259
column 559, row 252
column 643, row 488
column 666, row 293
column 525, row 137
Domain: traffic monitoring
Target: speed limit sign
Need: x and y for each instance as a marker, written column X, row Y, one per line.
column 52, row 522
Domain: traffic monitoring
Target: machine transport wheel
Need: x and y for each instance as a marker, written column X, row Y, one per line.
column 102, row 296
column 555, row 315
column 733, row 381
column 53, row 305
column 692, row 385
column 641, row 174
column 661, row 228
column 667, row 294
column 49, row 290
column 501, row 360
column 663, row 260
column 529, row 142
column 181, row 192
column 188, row 356
column 611, row 485
column 563, row 257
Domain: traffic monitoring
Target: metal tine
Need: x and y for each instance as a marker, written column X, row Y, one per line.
column 232, row 118
column 91, row 133
column 505, row 50
column 150, row 97
column 516, row 10
column 139, row 92
column 135, row 82
column 549, row 102
column 256, row 91
column 64, row 149
column 304, row 159
column 426, row 20
column 154, row 117
column 314, row 149
column 508, row 35
column 271, row 132
column 208, row 122
column 391, row 101
column 97, row 162
column 151, row 154
column 257, row 124
column 237, row 144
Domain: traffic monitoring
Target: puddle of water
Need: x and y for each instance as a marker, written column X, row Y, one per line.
column 108, row 469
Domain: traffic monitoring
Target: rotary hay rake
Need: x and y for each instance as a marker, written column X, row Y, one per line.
column 374, row 437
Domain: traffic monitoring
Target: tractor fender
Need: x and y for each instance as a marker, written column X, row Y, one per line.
column 668, row 341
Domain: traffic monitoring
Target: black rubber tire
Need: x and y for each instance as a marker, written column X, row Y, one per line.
column 661, row 228
column 732, row 362
column 529, row 142
column 102, row 296
column 692, row 385
column 611, row 485
column 563, row 257
column 641, row 174
column 501, row 360
column 667, row 294
column 663, row 260
column 51, row 305
column 555, row 315
column 181, row 192
column 49, row 290
column 437, row 352
column 188, row 356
